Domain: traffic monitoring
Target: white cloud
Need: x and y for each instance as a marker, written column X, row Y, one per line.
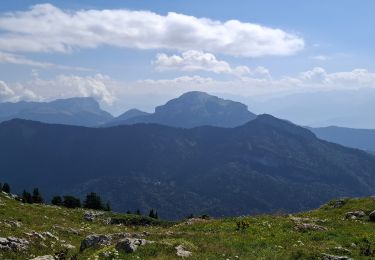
column 5, row 92
column 97, row 86
column 21, row 60
column 193, row 60
column 15, row 93
column 46, row 28
column 320, row 57
column 146, row 94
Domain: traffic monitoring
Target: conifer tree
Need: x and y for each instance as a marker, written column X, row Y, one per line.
column 93, row 201
column 138, row 212
column 57, row 200
column 6, row 188
column 71, row 202
column 37, row 197
column 26, row 197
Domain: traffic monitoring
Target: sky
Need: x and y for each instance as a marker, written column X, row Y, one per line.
column 139, row 53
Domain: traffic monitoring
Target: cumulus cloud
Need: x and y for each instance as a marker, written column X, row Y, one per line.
column 118, row 96
column 98, row 86
column 193, row 60
column 46, row 28
column 15, row 93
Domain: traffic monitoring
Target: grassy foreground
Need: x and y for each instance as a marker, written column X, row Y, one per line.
column 306, row 235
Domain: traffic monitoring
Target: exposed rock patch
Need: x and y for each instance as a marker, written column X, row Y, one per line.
column 44, row 257
column 95, row 240
column 335, row 257
column 355, row 214
column 372, row 216
column 92, row 215
column 130, row 245
column 13, row 243
column 182, row 252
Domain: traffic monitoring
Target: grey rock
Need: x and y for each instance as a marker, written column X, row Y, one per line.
column 91, row 215
column 309, row 227
column 95, row 240
column 372, row 216
column 355, row 214
column 50, row 235
column 335, row 257
column 182, row 252
column 130, row 245
column 13, row 243
column 44, row 257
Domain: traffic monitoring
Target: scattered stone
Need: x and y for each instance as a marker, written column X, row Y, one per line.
column 36, row 235
column 130, row 245
column 44, row 257
column 13, row 243
column 341, row 250
column 12, row 223
column 67, row 230
column 69, row 246
column 309, row 220
column 372, row 216
column 95, row 240
column 335, row 257
column 192, row 221
column 355, row 214
column 92, row 215
column 309, row 227
column 182, row 252
column 50, row 235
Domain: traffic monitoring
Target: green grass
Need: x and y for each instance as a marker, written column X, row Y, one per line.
column 267, row 237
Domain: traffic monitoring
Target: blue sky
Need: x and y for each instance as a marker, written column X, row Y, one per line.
column 299, row 46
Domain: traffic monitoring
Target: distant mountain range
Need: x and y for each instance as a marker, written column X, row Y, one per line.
column 72, row 111
column 357, row 138
column 264, row 165
column 192, row 109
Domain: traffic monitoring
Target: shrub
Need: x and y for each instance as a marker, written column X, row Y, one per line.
column 243, row 224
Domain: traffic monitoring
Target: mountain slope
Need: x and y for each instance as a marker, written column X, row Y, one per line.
column 357, row 138
column 263, row 166
column 72, row 111
column 52, row 230
column 194, row 109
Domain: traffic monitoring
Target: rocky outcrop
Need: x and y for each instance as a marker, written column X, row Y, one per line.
column 335, row 257
column 13, row 243
column 95, row 240
column 126, row 241
column 130, row 245
column 308, row 224
column 309, row 227
column 92, row 215
column 355, row 214
column 372, row 216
